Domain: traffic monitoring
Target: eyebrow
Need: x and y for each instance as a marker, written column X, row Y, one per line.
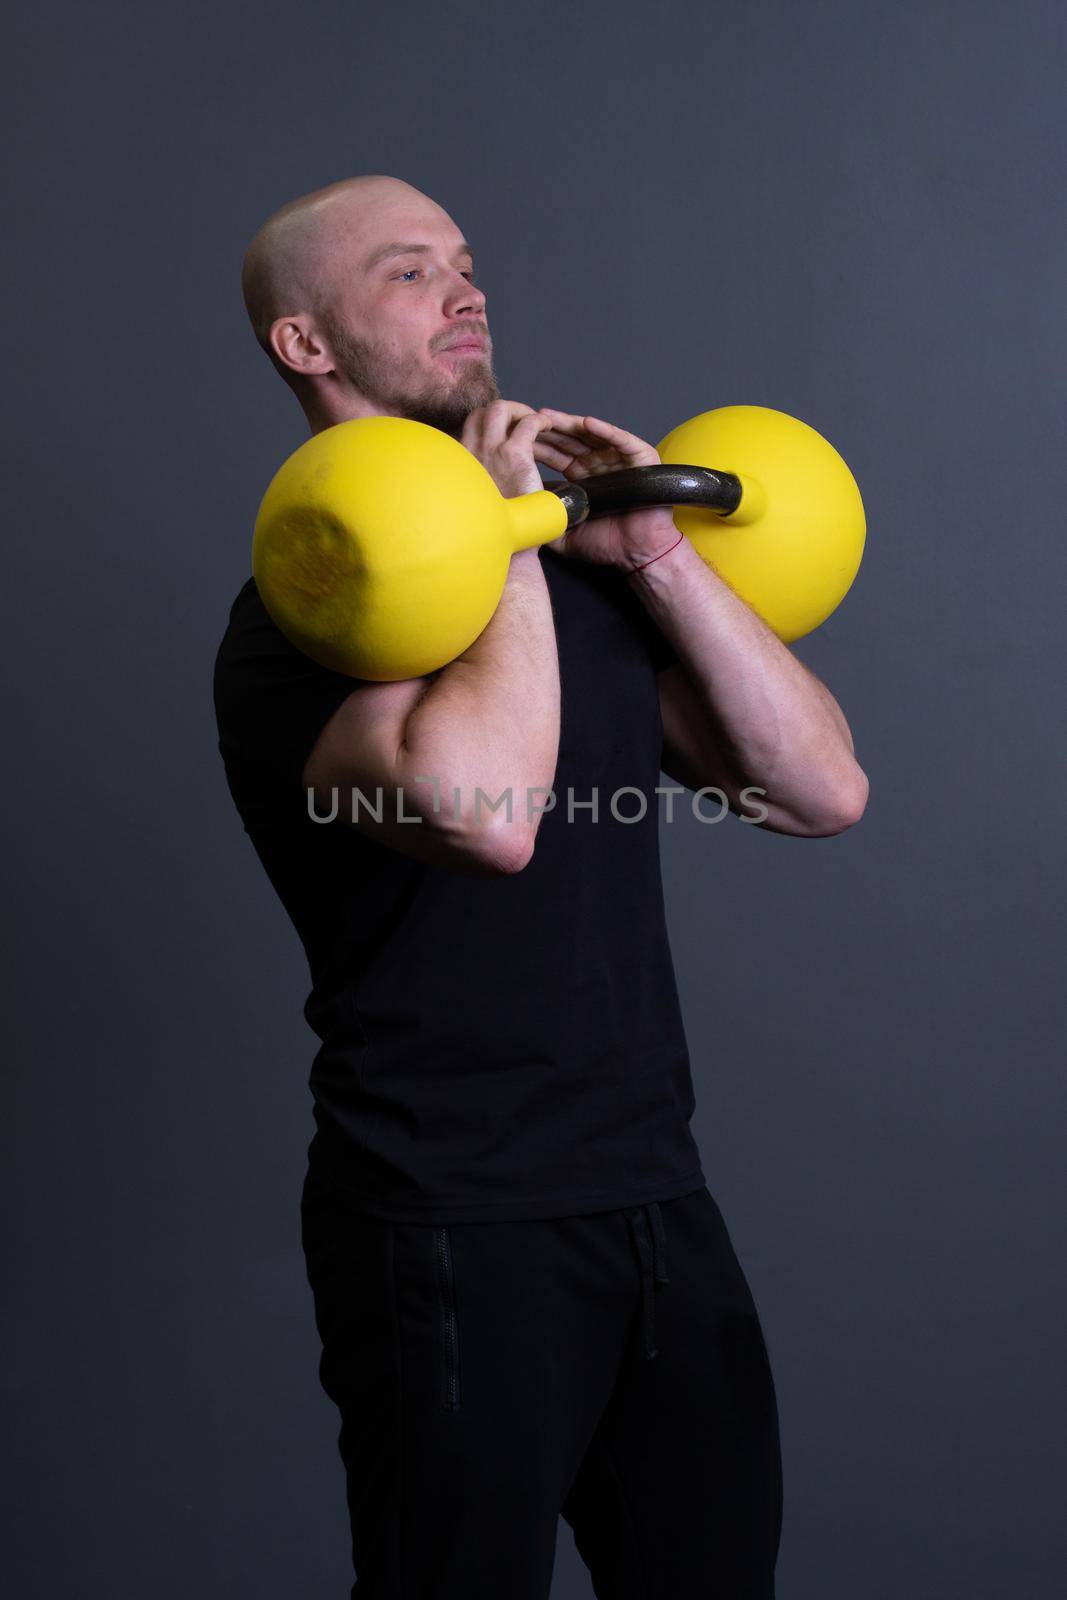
column 387, row 250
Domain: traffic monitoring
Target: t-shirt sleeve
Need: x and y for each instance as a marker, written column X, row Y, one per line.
column 271, row 703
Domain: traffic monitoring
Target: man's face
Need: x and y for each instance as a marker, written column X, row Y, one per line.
column 406, row 324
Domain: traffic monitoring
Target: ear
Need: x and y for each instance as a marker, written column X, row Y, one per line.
column 298, row 345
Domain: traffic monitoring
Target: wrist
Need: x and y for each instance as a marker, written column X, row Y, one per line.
column 646, row 536
column 526, row 563
column 648, row 560
column 657, row 563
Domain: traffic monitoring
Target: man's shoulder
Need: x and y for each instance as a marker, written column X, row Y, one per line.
column 246, row 612
column 271, row 699
column 248, row 654
column 251, row 637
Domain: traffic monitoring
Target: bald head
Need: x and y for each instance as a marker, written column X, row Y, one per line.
column 363, row 296
column 291, row 264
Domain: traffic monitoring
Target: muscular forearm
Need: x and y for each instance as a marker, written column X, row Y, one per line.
column 773, row 723
column 489, row 721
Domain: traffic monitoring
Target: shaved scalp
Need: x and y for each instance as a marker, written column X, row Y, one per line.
column 343, row 343
column 287, row 266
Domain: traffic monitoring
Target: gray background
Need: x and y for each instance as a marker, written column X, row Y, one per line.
column 853, row 213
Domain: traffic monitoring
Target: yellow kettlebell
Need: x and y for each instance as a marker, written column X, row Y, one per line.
column 382, row 545
column 794, row 544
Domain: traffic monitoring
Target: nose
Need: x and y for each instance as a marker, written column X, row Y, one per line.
column 464, row 296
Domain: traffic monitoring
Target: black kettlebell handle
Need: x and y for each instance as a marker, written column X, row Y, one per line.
column 631, row 488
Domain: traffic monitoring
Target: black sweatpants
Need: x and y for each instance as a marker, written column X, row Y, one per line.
column 492, row 1376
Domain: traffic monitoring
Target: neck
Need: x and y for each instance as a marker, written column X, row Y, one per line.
column 326, row 410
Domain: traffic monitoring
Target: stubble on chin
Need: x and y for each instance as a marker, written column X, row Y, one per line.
column 444, row 403
column 448, row 405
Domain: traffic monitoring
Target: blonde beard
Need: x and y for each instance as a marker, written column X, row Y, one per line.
column 445, row 406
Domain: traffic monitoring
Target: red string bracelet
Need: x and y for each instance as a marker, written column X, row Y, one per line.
column 666, row 552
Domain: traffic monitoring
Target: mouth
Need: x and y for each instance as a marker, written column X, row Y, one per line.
column 465, row 347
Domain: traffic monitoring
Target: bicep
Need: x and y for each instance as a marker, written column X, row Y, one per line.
column 693, row 756
column 357, row 766
column 359, row 747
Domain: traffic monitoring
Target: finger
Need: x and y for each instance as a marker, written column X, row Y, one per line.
column 471, row 432
column 555, row 412
column 566, row 441
column 523, row 435
column 573, row 426
column 600, row 433
column 595, row 448
column 551, row 457
column 528, row 427
column 500, row 415
column 627, row 444
column 490, row 422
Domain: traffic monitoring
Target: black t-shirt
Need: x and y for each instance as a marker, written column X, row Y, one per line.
column 492, row 1048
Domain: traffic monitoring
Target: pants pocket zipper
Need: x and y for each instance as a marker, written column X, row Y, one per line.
column 446, row 1290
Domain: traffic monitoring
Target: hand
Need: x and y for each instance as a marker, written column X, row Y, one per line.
column 585, row 447
column 502, row 436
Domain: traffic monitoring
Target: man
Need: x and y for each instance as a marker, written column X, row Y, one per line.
column 527, row 1297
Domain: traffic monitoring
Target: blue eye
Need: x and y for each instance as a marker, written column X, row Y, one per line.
column 410, row 272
